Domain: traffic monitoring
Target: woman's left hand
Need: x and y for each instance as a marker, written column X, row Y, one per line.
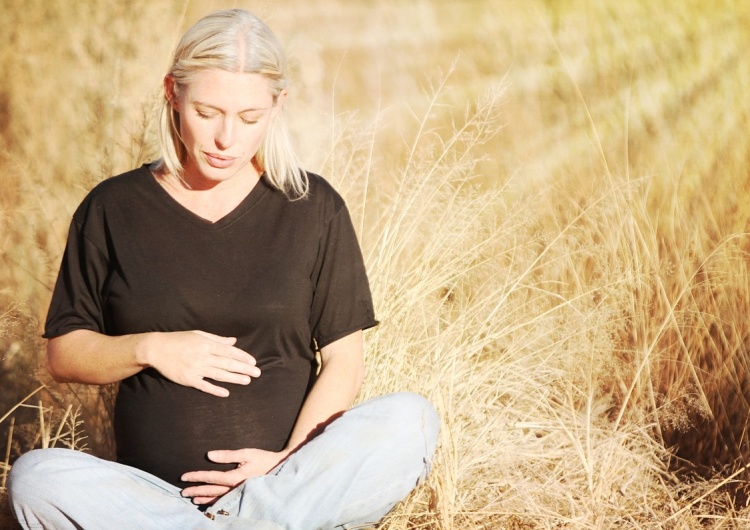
column 250, row 463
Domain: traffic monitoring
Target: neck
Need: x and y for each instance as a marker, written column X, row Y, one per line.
column 209, row 199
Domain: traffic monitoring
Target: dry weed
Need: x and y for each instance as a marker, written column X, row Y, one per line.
column 560, row 264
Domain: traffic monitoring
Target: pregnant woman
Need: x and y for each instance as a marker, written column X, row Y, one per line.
column 224, row 289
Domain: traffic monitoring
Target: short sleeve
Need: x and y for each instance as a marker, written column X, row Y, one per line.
column 76, row 301
column 342, row 302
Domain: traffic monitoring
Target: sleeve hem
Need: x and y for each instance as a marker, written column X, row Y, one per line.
column 325, row 341
column 65, row 330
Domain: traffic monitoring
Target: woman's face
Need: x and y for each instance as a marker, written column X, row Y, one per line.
column 223, row 119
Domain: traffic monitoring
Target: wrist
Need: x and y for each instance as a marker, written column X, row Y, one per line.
column 144, row 347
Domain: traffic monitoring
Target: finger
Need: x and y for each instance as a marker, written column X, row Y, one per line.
column 208, row 388
column 227, row 456
column 205, row 491
column 223, row 376
column 217, row 338
column 205, row 500
column 237, row 354
column 210, row 478
column 232, row 366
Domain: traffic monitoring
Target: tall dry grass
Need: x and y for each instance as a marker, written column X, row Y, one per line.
column 555, row 229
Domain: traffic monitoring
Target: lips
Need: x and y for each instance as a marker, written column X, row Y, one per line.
column 219, row 161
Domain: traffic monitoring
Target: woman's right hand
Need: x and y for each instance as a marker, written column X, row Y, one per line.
column 189, row 358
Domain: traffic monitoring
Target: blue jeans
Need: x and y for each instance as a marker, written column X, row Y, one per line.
column 351, row 474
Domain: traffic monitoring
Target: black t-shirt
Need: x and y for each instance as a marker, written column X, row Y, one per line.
column 277, row 274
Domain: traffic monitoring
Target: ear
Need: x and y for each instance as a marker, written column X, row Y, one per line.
column 279, row 103
column 169, row 91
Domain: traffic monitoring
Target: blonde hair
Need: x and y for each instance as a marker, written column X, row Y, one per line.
column 234, row 40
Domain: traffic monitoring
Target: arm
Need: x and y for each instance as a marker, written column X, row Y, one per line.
column 341, row 374
column 342, row 371
column 185, row 357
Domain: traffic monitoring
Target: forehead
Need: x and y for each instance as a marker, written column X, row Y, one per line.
column 230, row 90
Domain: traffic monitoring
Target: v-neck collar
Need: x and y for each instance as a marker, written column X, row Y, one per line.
column 250, row 200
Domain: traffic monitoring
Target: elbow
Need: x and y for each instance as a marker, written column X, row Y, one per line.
column 344, row 361
column 347, row 370
column 55, row 365
column 355, row 375
column 359, row 374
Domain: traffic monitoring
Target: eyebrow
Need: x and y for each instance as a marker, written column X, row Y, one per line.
column 200, row 103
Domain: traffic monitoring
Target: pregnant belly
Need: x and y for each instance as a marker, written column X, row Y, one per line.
column 166, row 429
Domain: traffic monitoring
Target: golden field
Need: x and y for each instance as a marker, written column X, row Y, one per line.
column 550, row 196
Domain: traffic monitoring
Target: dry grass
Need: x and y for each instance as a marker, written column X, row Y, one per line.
column 556, row 230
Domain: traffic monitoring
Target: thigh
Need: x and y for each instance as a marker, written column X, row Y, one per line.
column 353, row 473
column 61, row 488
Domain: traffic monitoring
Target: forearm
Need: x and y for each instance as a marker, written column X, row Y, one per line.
column 84, row 356
column 190, row 358
column 340, row 378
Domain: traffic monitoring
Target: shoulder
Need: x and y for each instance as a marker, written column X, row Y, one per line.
column 320, row 206
column 124, row 183
column 115, row 191
column 323, row 195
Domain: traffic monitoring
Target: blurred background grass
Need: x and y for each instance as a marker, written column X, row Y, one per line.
column 552, row 199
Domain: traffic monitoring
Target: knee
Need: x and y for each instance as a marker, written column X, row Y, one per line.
column 22, row 475
column 420, row 413
column 411, row 419
column 415, row 428
column 32, row 473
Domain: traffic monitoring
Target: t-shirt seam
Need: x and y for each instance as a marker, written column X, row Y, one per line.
column 82, row 232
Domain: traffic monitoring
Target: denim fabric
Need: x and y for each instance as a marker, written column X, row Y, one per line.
column 352, row 474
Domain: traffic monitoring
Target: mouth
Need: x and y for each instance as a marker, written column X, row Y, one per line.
column 219, row 161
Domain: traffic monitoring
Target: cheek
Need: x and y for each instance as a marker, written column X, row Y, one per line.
column 261, row 133
column 193, row 133
column 253, row 140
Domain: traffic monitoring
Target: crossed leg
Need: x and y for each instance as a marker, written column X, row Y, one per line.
column 353, row 473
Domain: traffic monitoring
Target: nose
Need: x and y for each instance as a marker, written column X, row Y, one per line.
column 224, row 137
